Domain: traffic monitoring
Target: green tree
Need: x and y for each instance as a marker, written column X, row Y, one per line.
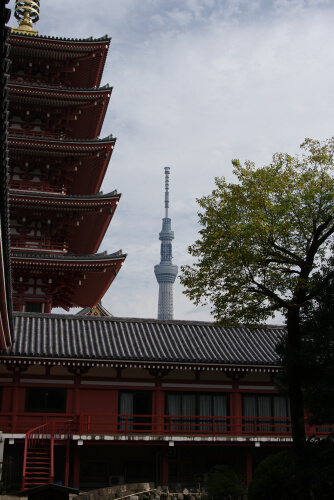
column 264, row 242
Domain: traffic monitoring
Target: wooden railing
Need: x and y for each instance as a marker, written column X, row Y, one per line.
column 36, row 187
column 21, row 423
column 170, row 425
column 20, row 132
column 37, row 243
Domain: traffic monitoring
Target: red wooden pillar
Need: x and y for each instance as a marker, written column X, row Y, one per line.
column 15, row 399
column 236, row 408
column 47, row 307
column 76, row 467
column 114, row 396
column 76, row 395
column 67, row 462
column 158, row 408
column 164, row 472
column 249, row 465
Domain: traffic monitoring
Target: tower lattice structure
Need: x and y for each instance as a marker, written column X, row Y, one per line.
column 166, row 272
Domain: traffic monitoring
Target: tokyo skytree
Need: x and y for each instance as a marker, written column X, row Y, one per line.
column 166, row 272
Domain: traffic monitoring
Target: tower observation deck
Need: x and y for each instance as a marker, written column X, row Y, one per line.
column 166, row 272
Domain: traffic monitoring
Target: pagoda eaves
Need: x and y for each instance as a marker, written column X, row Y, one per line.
column 60, row 61
column 53, row 222
column 74, row 167
column 62, row 280
column 45, row 111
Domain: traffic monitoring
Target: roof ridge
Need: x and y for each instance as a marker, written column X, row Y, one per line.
column 62, row 39
column 146, row 320
column 66, row 256
column 62, row 140
column 61, row 196
column 60, row 87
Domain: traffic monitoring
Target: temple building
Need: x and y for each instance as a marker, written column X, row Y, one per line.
column 91, row 400
column 58, row 216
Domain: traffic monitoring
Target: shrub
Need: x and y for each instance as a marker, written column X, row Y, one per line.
column 274, row 479
column 223, row 484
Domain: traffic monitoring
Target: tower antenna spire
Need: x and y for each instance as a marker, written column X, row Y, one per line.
column 167, row 169
column 166, row 272
column 27, row 13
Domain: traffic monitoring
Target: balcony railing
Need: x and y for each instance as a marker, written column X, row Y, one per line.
column 27, row 81
column 21, row 132
column 37, row 187
column 166, row 425
column 36, row 243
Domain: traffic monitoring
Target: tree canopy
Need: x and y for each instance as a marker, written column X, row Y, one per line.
column 267, row 238
column 266, row 246
column 317, row 347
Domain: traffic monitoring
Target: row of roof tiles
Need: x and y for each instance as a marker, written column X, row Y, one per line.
column 142, row 340
column 44, row 86
column 60, row 39
column 67, row 256
column 21, row 193
column 62, row 140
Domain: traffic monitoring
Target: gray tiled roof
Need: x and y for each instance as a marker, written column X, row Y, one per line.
column 142, row 340
column 66, row 256
column 64, row 198
column 60, row 39
column 108, row 138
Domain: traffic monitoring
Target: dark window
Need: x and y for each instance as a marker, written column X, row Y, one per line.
column 186, row 408
column 265, row 412
column 134, row 406
column 46, row 399
column 95, row 469
column 33, row 307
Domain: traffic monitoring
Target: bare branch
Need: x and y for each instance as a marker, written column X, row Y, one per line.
column 296, row 259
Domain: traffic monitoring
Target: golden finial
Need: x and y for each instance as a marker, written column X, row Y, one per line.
column 26, row 12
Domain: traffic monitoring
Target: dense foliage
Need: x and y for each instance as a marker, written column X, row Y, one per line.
column 223, row 484
column 317, row 354
column 263, row 237
column 273, row 479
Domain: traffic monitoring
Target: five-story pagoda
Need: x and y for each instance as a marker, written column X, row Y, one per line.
column 57, row 164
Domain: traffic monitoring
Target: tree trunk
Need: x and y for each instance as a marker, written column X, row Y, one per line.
column 294, row 370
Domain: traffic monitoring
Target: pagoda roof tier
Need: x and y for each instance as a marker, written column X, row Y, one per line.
column 76, row 167
column 63, row 280
column 64, row 113
column 58, row 61
column 76, row 223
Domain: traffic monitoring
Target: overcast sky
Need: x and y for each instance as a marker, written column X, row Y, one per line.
column 196, row 84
